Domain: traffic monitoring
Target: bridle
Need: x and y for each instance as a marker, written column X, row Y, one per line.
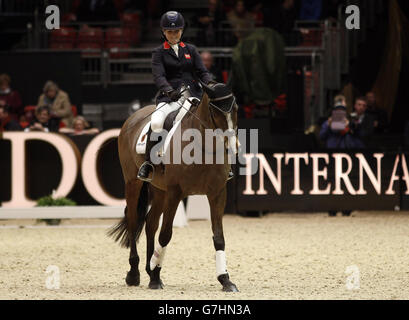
column 229, row 96
column 211, row 105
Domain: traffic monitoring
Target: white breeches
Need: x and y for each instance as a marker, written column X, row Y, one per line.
column 159, row 116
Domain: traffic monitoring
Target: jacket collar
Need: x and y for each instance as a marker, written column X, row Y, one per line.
column 166, row 45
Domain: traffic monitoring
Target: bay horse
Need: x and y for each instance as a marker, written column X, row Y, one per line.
column 171, row 183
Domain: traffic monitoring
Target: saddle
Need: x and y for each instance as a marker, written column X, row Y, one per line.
column 171, row 120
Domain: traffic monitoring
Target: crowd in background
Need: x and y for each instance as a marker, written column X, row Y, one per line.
column 352, row 131
column 53, row 112
column 259, row 10
column 241, row 16
column 236, row 16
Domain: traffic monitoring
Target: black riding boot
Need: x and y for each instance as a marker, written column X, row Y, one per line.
column 147, row 166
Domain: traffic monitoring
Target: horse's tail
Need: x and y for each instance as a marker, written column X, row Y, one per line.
column 125, row 228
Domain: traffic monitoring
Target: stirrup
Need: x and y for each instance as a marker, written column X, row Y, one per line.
column 147, row 179
column 230, row 176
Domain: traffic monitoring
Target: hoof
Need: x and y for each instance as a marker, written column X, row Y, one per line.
column 228, row 286
column 155, row 281
column 132, row 280
column 155, row 285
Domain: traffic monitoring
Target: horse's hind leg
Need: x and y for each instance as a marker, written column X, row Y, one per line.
column 152, row 223
column 217, row 203
column 171, row 203
column 132, row 191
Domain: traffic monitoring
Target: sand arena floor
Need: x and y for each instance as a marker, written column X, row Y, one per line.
column 279, row 256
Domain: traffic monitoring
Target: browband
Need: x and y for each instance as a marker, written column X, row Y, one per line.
column 222, row 98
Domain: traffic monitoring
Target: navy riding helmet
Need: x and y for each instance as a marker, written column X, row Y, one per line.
column 172, row 20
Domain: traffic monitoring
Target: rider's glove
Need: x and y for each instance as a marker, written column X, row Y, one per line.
column 174, row 95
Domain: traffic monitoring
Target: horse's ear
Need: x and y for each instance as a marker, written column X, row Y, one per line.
column 209, row 91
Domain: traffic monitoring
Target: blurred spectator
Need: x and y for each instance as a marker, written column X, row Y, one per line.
column 58, row 102
column 259, row 81
column 6, row 122
column 208, row 21
column 215, row 72
column 311, row 10
column 80, row 126
column 380, row 116
column 241, row 20
column 28, row 116
column 43, row 121
column 97, row 10
column 10, row 98
column 337, row 135
column 362, row 123
column 257, row 11
column 340, row 100
column 341, row 133
column 336, row 131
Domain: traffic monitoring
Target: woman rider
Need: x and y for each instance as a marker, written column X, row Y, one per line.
column 174, row 64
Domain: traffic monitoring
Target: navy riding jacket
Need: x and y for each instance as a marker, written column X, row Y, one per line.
column 171, row 71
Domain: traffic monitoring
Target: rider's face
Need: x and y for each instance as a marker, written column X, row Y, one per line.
column 173, row 36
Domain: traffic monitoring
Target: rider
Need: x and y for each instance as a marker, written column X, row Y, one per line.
column 174, row 64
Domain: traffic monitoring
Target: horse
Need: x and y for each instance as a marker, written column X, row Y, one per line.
column 171, row 183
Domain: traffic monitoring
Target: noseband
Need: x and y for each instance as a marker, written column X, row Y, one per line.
column 223, row 104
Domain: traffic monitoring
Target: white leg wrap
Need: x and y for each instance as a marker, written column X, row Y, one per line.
column 233, row 144
column 157, row 257
column 232, row 138
column 220, row 262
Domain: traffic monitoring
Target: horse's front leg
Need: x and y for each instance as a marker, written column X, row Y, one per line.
column 152, row 224
column 217, row 203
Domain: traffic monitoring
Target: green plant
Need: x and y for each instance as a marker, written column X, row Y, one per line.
column 49, row 201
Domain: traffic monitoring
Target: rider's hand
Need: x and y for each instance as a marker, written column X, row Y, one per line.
column 175, row 95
